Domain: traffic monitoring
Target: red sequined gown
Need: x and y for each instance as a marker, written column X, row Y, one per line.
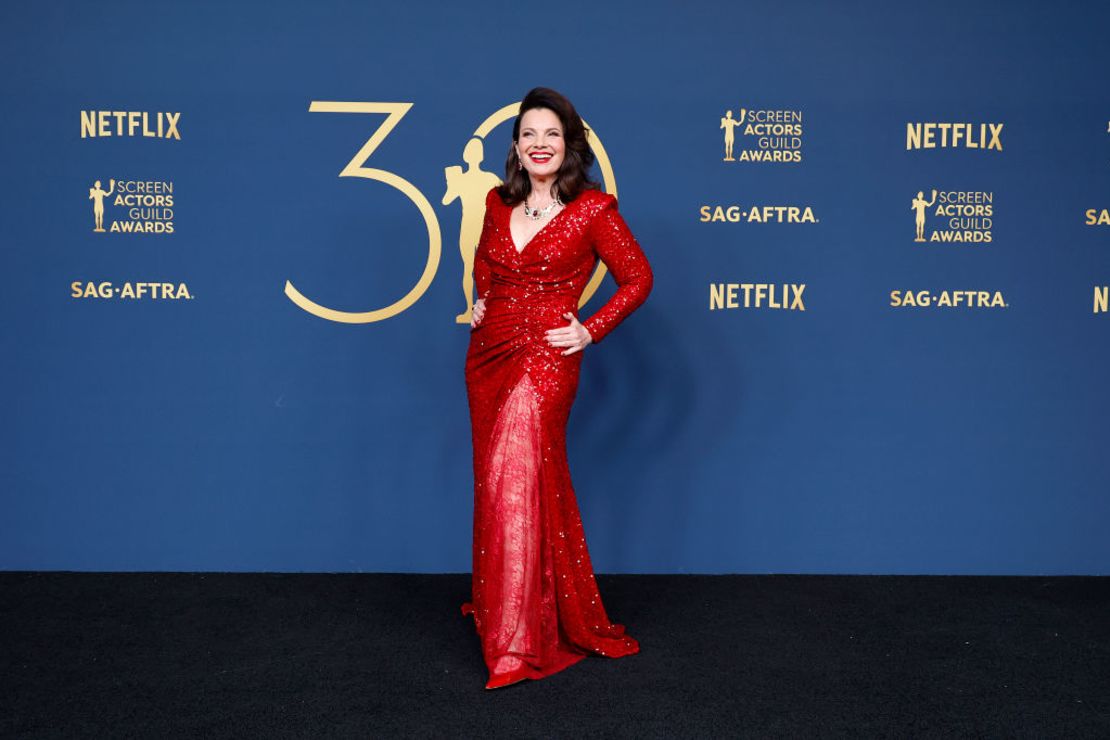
column 535, row 602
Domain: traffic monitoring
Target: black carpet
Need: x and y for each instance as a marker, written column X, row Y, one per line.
column 110, row 655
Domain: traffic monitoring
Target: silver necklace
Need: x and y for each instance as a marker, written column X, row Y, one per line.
column 537, row 214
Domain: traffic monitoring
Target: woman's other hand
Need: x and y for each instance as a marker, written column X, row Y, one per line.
column 574, row 337
column 478, row 312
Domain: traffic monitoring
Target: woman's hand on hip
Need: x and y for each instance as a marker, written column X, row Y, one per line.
column 574, row 337
column 478, row 312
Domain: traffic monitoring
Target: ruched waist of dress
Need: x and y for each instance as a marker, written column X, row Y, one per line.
column 504, row 297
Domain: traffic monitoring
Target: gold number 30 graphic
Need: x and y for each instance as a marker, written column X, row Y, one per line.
column 355, row 168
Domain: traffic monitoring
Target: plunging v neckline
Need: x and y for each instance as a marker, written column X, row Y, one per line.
column 509, row 226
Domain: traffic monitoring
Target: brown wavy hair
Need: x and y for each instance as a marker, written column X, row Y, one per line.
column 574, row 173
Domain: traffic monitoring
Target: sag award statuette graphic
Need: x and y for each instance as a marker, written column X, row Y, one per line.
column 769, row 135
column 141, row 206
column 468, row 186
column 97, row 196
column 960, row 216
column 729, row 124
column 919, row 206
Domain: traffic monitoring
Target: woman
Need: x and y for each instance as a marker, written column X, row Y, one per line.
column 535, row 602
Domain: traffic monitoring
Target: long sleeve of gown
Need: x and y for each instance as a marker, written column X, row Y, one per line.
column 618, row 249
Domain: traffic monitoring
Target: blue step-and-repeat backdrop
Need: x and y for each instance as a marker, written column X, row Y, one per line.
column 234, row 245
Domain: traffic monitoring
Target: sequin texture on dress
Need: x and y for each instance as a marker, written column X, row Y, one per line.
column 535, row 601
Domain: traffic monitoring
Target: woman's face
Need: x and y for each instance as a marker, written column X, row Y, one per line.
column 540, row 146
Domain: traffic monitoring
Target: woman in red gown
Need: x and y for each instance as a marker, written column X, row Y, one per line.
column 535, row 602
